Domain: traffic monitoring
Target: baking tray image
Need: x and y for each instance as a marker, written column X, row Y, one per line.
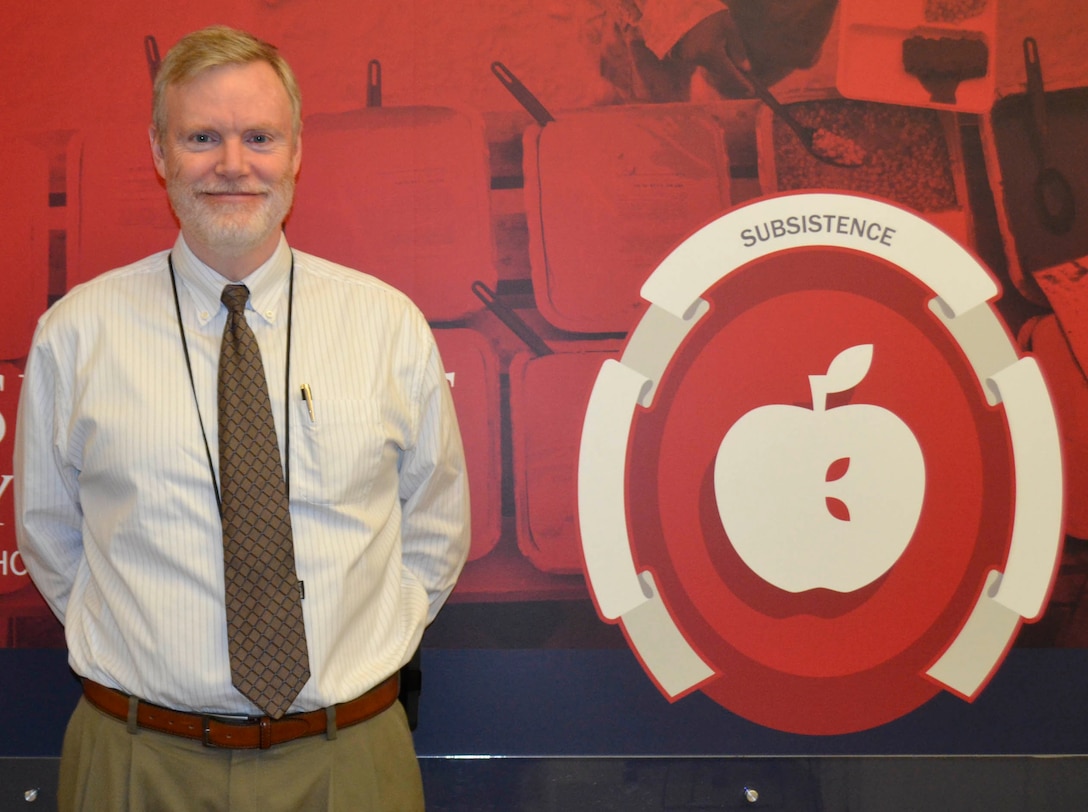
column 472, row 370
column 24, row 244
column 1034, row 243
column 608, row 192
column 922, row 53
column 403, row 193
column 912, row 157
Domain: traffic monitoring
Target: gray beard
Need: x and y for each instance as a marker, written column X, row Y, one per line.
column 231, row 233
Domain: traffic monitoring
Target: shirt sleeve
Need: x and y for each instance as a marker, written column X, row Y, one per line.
column 664, row 22
column 48, row 515
column 435, row 530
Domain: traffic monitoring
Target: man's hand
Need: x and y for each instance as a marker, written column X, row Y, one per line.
column 715, row 45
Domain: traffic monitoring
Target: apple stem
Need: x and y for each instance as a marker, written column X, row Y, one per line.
column 846, row 370
column 817, row 384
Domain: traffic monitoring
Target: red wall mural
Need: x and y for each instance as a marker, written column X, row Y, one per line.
column 522, row 168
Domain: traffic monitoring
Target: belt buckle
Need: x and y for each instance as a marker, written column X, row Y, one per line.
column 233, row 721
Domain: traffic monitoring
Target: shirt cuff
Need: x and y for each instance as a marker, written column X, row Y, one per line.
column 664, row 22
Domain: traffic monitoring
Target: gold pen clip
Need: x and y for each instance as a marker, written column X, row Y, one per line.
column 308, row 396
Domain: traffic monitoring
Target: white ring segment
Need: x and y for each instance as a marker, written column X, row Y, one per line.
column 964, row 289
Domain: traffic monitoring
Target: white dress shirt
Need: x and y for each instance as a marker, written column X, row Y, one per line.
column 117, row 517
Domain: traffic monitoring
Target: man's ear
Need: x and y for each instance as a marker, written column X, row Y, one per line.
column 156, row 151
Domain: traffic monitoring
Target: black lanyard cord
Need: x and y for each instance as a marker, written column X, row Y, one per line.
column 286, row 383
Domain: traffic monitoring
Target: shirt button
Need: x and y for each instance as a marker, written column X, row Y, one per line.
column 204, row 315
column 268, row 314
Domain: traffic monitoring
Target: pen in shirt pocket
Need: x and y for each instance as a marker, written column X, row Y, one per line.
column 308, row 396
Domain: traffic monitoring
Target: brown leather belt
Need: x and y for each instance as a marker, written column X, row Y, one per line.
column 253, row 733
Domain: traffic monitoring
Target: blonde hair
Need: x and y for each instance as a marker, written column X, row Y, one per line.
column 214, row 47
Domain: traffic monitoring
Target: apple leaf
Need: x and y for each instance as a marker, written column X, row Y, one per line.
column 848, row 368
column 837, row 508
column 837, row 470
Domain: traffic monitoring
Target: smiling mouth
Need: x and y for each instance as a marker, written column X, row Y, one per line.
column 231, row 196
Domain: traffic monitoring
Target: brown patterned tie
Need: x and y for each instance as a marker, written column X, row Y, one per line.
column 267, row 639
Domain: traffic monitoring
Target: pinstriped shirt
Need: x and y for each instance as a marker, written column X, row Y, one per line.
column 115, row 502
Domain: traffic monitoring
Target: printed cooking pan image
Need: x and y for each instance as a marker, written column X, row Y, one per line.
column 402, row 193
column 608, row 192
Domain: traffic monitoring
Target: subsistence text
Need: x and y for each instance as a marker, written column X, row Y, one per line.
column 845, row 224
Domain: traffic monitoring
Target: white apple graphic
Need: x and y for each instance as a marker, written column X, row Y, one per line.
column 821, row 497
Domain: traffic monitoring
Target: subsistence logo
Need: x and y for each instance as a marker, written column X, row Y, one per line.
column 820, row 485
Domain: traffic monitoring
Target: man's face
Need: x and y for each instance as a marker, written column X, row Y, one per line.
column 229, row 156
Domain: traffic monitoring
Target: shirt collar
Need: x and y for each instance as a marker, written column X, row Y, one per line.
column 266, row 283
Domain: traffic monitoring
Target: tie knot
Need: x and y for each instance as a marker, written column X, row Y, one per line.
column 235, row 297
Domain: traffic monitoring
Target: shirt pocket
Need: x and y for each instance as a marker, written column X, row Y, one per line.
column 338, row 452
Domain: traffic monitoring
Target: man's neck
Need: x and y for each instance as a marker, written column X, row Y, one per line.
column 234, row 267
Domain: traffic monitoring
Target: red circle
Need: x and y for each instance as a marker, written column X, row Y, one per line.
column 771, row 325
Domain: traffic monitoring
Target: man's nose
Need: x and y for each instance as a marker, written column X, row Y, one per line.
column 232, row 158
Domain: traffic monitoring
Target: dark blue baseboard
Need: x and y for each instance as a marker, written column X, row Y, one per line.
column 590, row 703
column 600, row 703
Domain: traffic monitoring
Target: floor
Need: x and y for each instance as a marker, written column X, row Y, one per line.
column 794, row 784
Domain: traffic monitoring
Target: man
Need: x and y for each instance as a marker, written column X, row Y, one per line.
column 141, row 537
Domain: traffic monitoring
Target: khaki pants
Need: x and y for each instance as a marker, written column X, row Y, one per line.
column 368, row 767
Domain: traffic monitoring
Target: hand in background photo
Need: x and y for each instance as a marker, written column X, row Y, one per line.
column 653, row 49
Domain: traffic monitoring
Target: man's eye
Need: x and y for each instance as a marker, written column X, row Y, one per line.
column 202, row 138
column 258, row 138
